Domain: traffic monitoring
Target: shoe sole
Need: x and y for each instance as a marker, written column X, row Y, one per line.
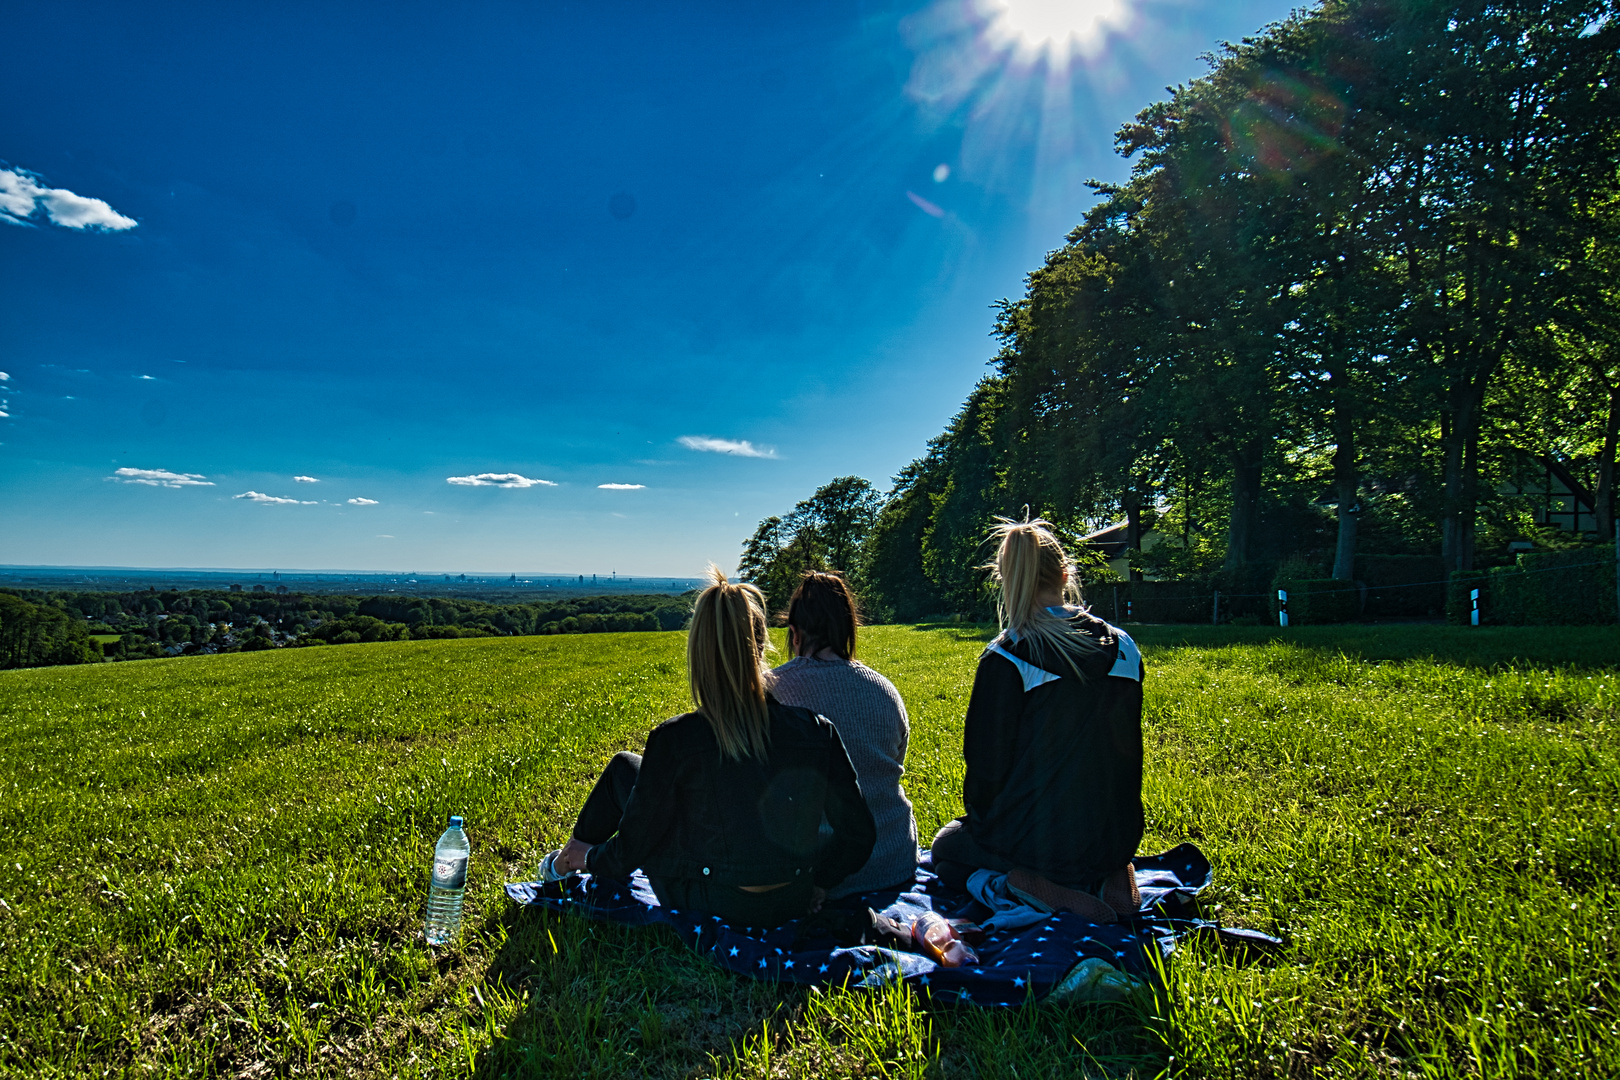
column 1058, row 898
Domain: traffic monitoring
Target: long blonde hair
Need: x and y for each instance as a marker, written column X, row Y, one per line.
column 1030, row 561
column 725, row 663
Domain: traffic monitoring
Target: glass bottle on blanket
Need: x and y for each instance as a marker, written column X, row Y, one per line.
column 449, row 884
column 936, row 938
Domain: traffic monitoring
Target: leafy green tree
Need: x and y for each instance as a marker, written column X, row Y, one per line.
column 891, row 581
column 36, row 635
column 1500, row 118
column 824, row 532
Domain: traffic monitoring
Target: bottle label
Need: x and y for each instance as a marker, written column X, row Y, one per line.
column 450, row 873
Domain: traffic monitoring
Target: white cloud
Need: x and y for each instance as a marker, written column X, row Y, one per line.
column 270, row 500
column 306, row 479
column 497, row 479
column 621, row 487
column 4, row 377
column 21, row 194
column 160, row 478
column 738, row 447
column 362, row 502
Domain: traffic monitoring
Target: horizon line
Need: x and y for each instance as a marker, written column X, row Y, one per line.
column 610, row 575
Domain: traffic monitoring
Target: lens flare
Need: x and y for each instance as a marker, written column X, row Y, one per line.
column 1056, row 27
column 1032, row 87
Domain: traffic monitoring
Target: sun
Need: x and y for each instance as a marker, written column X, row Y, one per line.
column 1057, row 27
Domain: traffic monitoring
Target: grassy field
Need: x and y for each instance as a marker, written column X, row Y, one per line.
column 216, row 866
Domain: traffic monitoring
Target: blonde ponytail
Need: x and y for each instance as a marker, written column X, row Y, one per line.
column 725, row 664
column 1030, row 561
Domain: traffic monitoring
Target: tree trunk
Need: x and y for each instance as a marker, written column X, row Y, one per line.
column 1346, row 477
column 1240, row 534
column 1461, row 439
column 1133, row 527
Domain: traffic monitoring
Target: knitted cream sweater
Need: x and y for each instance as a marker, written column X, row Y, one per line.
column 871, row 719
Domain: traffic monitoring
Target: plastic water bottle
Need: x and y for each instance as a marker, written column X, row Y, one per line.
column 935, row 937
column 449, row 882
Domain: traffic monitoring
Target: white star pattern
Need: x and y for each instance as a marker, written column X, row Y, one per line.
column 762, row 961
column 733, row 950
column 1018, row 981
column 822, row 969
column 788, row 964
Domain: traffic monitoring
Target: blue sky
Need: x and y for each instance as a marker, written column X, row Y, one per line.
column 461, row 266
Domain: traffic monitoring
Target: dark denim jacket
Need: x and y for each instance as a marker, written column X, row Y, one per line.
column 749, row 822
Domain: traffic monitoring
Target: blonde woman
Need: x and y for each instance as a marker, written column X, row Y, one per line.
column 1053, row 743
column 723, row 811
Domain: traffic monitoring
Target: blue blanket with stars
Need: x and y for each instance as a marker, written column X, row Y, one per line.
column 1012, row 965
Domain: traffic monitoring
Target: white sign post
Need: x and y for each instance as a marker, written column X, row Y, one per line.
column 1282, row 607
column 1473, row 616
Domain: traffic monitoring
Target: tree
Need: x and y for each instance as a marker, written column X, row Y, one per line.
column 836, row 520
column 35, row 635
column 1079, row 351
column 890, row 578
column 1501, row 116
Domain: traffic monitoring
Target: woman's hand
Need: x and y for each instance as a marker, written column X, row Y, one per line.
column 571, row 859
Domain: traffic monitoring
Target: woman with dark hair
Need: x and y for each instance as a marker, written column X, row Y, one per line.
column 1053, row 743
column 724, row 809
column 825, row 678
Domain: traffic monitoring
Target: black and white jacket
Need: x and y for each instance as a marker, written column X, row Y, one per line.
column 1054, row 759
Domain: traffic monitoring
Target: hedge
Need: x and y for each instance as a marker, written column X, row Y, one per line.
column 1153, row 601
column 1314, row 601
column 1402, row 585
column 1544, row 588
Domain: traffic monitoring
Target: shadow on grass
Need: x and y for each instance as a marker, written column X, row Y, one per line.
column 1581, row 647
column 1585, row 647
column 601, row 1000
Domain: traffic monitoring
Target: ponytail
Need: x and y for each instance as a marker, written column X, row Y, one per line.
column 725, row 651
column 1031, row 561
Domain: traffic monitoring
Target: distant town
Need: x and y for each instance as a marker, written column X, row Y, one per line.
column 518, row 587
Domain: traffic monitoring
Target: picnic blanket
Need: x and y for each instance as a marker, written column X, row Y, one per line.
column 1079, row 958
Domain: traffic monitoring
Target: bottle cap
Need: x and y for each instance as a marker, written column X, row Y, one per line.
column 455, row 821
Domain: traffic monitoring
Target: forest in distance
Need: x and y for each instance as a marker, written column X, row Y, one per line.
column 1357, row 298
column 39, row 628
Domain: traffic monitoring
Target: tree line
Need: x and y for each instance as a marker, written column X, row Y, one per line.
column 41, row 627
column 1361, row 282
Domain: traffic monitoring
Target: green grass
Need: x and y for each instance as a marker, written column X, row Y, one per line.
column 106, row 639
column 217, row 865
